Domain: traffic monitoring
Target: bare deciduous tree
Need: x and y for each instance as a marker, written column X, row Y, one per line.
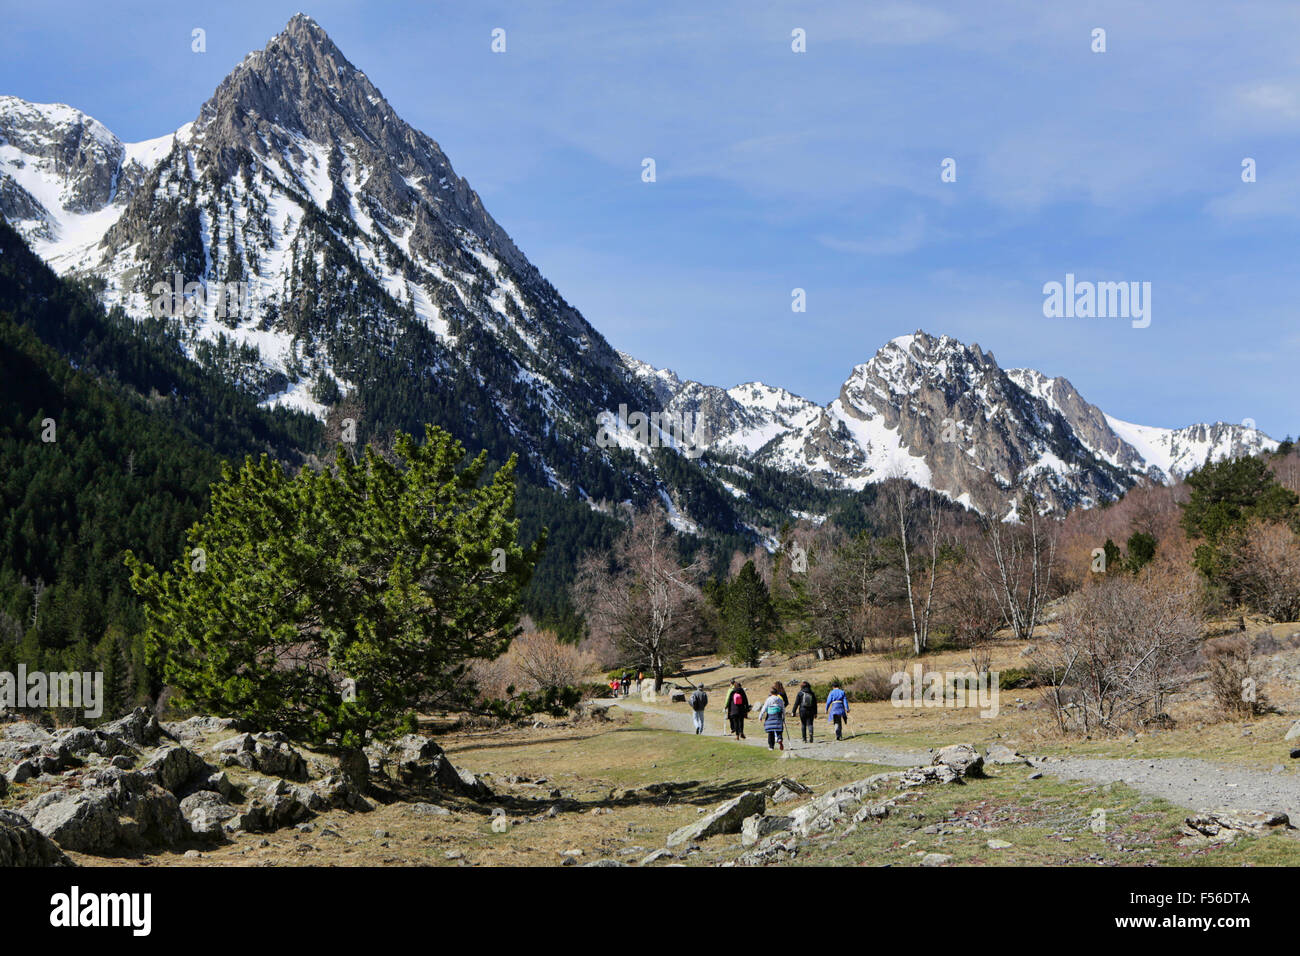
column 1016, row 563
column 902, row 495
column 642, row 597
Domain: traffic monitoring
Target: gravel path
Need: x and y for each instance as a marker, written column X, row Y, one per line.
column 1183, row 781
column 854, row 748
column 1187, row 782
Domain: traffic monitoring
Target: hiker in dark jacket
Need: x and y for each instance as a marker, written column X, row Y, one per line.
column 805, row 706
column 699, row 701
column 737, row 709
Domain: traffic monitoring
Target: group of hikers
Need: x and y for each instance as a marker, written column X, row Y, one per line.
column 619, row 686
column 737, row 707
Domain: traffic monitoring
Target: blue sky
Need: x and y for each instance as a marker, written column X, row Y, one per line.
column 821, row 170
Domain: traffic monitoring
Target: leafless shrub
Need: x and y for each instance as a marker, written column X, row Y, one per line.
column 1264, row 568
column 534, row 661
column 875, row 684
column 1235, row 677
column 1124, row 645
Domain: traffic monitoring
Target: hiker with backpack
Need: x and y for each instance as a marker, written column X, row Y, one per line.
column 774, row 717
column 805, row 706
column 699, row 701
column 737, row 709
column 837, row 709
column 779, row 689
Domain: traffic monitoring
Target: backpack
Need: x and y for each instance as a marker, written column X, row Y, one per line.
column 774, row 709
column 736, row 700
column 699, row 700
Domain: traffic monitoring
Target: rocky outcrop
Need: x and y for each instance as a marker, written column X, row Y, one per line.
column 176, row 768
column 963, row 759
column 115, row 809
column 1001, row 755
column 418, row 761
column 137, row 729
column 759, row 826
column 21, row 844
column 1224, row 826
column 728, row 818
column 207, row 812
column 269, row 753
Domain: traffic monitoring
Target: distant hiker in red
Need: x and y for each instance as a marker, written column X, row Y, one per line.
column 737, row 709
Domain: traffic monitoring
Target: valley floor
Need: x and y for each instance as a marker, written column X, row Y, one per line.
column 611, row 785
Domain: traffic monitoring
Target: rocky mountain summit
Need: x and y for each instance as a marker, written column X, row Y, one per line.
column 945, row 415
column 363, row 267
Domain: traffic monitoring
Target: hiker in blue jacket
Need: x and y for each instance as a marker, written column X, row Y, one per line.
column 837, row 709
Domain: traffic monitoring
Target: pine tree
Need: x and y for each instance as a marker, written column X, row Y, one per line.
column 1225, row 497
column 748, row 618
column 373, row 580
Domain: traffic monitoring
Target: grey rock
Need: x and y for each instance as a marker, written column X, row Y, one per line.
column 963, row 759
column 936, row 773
column 269, row 753
column 873, row 811
column 758, row 826
column 727, row 818
column 656, row 856
column 175, row 767
column 138, row 728
column 936, row 859
column 207, row 813
column 274, row 755
column 1294, row 732
column 239, row 743
column 81, row 742
column 1226, row 825
column 197, row 727
column 830, row 808
column 114, row 809
column 784, row 790
column 23, row 771
column 339, row 793
column 21, row 844
column 1003, row 756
